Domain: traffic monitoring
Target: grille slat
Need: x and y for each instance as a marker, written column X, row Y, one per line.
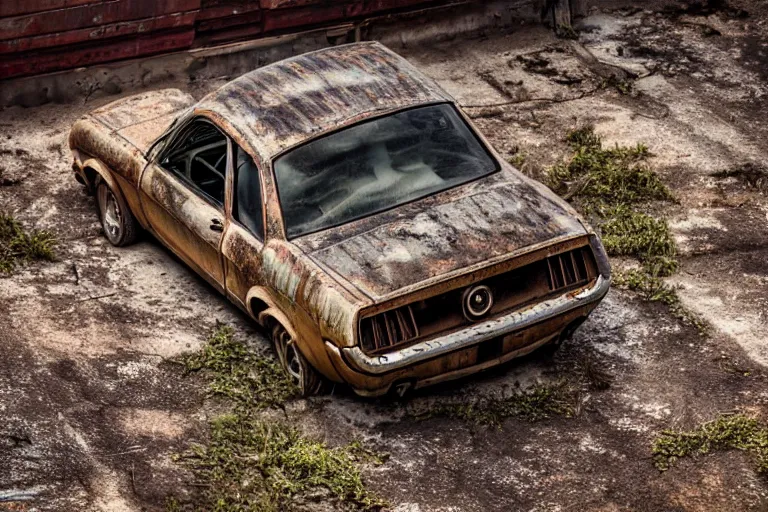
column 567, row 269
column 390, row 328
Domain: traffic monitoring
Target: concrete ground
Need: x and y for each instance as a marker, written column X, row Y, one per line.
column 92, row 407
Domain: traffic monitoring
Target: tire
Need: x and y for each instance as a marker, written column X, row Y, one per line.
column 295, row 365
column 120, row 226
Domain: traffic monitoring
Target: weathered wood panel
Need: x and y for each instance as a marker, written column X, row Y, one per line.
column 281, row 19
column 114, row 30
column 73, row 57
column 16, row 7
column 214, row 10
column 248, row 18
column 91, row 15
column 40, row 36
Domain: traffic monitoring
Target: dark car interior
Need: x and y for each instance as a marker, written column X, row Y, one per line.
column 200, row 157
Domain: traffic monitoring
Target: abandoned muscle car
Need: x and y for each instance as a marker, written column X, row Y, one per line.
column 349, row 206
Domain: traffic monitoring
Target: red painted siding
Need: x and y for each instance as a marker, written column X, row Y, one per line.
column 41, row 36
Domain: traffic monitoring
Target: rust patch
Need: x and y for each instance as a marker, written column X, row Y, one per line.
column 283, row 104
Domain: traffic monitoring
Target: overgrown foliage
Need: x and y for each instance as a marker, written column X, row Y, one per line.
column 727, row 432
column 237, row 373
column 614, row 187
column 612, row 184
column 18, row 246
column 255, row 462
column 539, row 402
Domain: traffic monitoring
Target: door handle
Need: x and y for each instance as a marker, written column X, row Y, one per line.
column 216, row 225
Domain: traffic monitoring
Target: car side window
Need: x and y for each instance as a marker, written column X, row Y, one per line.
column 247, row 207
column 199, row 156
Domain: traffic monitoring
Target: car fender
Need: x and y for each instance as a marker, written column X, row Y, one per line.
column 313, row 350
column 105, row 173
column 117, row 184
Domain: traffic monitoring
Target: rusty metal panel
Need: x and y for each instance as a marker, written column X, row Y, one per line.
column 250, row 18
column 91, row 15
column 65, row 57
column 17, row 7
column 277, row 106
column 212, row 10
column 171, row 21
column 283, row 4
column 281, row 19
column 433, row 242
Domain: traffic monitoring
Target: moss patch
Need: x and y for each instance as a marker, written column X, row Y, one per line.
column 17, row 246
column 628, row 232
column 235, row 372
column 539, row 402
column 727, row 432
column 253, row 461
column 614, row 186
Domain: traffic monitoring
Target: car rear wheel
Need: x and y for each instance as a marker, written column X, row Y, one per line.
column 295, row 364
column 119, row 224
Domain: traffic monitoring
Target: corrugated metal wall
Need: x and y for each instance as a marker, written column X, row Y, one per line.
column 42, row 36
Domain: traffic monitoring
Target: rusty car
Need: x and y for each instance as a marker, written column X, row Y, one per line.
column 347, row 203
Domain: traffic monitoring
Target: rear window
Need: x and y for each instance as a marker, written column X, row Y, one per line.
column 377, row 165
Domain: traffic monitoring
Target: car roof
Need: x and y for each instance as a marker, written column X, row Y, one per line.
column 285, row 103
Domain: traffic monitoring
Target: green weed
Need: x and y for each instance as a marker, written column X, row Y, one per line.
column 612, row 185
column 254, row 462
column 18, row 246
column 237, row 373
column 539, row 402
column 727, row 432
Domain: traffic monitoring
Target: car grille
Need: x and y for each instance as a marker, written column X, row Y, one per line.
column 388, row 329
column 405, row 325
column 567, row 269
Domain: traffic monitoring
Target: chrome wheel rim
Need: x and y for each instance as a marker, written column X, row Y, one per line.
column 111, row 216
column 289, row 356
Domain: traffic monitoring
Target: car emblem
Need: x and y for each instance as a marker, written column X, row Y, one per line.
column 477, row 301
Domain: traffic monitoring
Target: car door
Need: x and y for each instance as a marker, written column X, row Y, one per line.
column 244, row 240
column 183, row 196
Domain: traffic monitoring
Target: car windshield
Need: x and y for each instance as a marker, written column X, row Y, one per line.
column 377, row 165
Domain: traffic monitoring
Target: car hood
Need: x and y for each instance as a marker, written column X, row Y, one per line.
column 142, row 118
column 485, row 220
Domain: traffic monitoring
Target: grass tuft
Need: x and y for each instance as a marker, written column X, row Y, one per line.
column 610, row 177
column 255, row 462
column 237, row 373
column 538, row 403
column 18, row 246
column 727, row 432
column 612, row 185
column 628, row 232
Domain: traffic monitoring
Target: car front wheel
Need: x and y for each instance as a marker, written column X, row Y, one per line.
column 295, row 365
column 119, row 224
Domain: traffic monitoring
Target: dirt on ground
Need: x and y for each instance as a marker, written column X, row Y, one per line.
column 93, row 404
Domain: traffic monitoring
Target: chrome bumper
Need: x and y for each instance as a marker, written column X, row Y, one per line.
column 477, row 333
